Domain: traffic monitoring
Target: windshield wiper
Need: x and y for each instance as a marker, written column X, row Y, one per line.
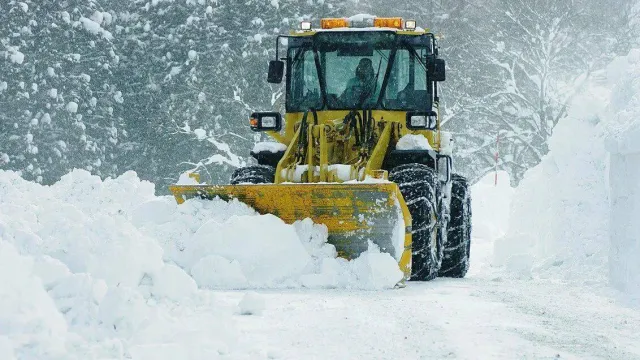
column 323, row 86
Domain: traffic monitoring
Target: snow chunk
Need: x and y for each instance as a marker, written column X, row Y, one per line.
column 192, row 54
column 216, row 272
column 265, row 261
column 118, row 97
column 251, row 304
column 53, row 93
column 4, row 159
column 269, row 146
column 65, row 17
column 372, row 270
column 123, row 311
column 50, row 270
column 26, row 310
column 376, row 270
column 97, row 17
column 413, row 142
column 155, row 211
column 15, row 56
column 72, row 107
column 201, row 134
column 95, row 28
column 173, row 283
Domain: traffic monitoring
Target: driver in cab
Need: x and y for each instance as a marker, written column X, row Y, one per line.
column 361, row 87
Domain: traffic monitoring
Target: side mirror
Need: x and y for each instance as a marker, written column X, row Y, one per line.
column 276, row 71
column 438, row 72
column 266, row 121
column 422, row 120
column 445, row 165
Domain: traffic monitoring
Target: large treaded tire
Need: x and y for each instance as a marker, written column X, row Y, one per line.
column 419, row 185
column 458, row 247
column 256, row 174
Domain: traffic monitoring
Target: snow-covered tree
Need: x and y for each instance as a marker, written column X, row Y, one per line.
column 58, row 95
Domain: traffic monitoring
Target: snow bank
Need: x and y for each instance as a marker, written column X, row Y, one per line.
column 559, row 213
column 574, row 216
column 105, row 269
column 623, row 137
column 87, row 225
column 559, row 222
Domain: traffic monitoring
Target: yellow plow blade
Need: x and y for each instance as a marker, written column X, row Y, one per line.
column 353, row 213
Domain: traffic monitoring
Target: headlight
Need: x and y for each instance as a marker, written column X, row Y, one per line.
column 418, row 121
column 268, row 122
column 422, row 120
column 265, row 121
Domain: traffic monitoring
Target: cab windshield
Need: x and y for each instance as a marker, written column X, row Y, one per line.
column 358, row 70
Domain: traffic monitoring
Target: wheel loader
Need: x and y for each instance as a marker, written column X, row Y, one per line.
column 360, row 148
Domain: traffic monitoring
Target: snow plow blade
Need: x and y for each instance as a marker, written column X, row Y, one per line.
column 353, row 213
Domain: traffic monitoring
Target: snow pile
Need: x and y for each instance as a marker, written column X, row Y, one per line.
column 88, row 225
column 413, row 142
column 105, row 269
column 227, row 245
column 559, row 221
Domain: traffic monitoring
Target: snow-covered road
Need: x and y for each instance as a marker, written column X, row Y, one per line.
column 168, row 297
column 475, row 318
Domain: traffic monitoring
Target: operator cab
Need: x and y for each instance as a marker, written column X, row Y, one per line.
column 386, row 65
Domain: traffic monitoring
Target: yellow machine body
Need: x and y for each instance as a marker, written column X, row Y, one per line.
column 334, row 181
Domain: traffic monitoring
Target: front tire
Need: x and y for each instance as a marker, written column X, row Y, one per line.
column 458, row 247
column 256, row 174
column 418, row 185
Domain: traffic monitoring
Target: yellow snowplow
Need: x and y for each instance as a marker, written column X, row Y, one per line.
column 360, row 148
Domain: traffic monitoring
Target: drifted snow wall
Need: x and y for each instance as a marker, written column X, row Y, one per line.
column 623, row 143
column 576, row 216
column 559, row 218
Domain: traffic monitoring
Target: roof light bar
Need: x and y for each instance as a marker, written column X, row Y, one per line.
column 332, row 23
column 395, row 23
column 410, row 25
